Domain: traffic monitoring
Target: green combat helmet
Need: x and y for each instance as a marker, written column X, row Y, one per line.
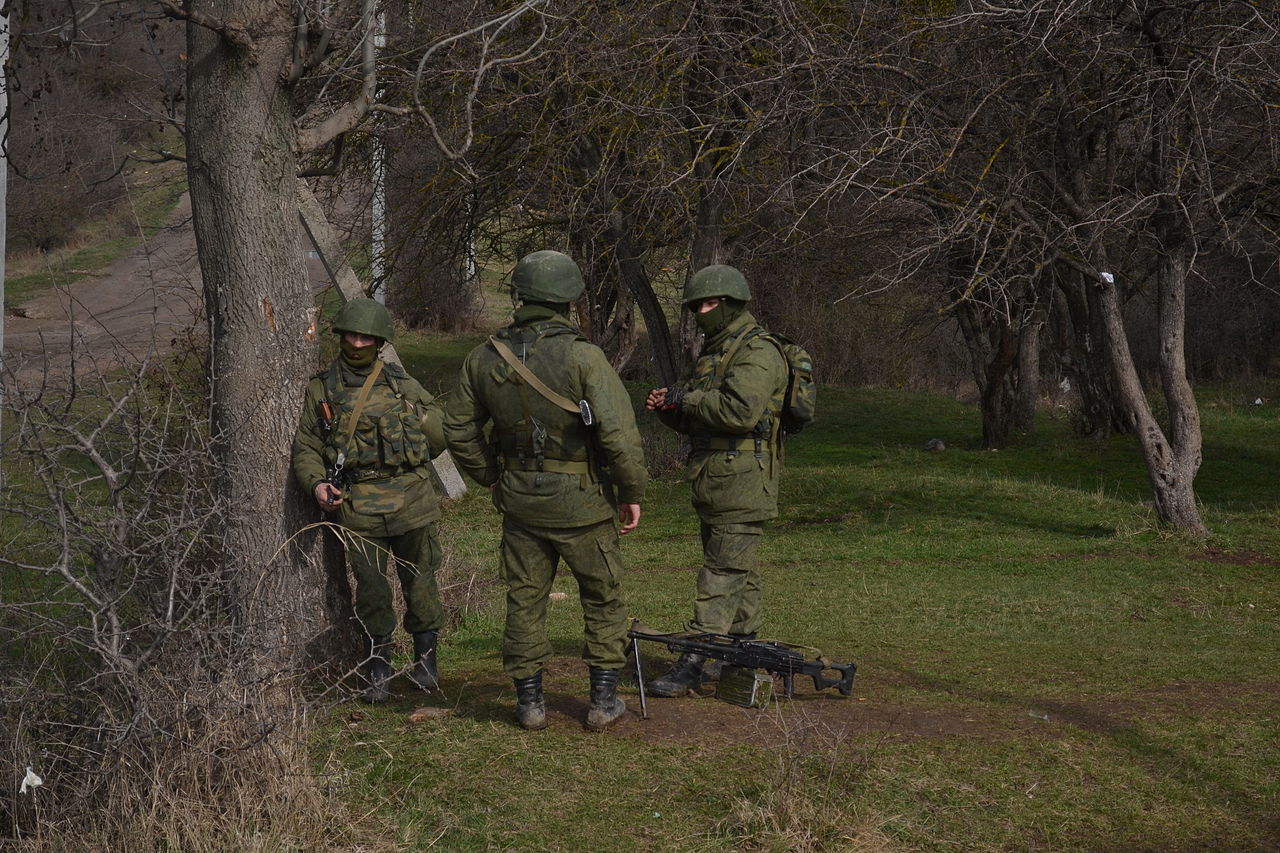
column 365, row 316
column 717, row 280
column 547, row 276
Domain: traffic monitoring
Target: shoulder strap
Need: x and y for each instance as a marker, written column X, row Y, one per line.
column 528, row 375
column 329, row 379
column 362, row 399
column 741, row 339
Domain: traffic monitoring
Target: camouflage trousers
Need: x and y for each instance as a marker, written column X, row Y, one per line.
column 728, row 599
column 418, row 555
column 529, row 559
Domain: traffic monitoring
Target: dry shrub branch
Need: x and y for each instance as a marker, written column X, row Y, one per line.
column 130, row 679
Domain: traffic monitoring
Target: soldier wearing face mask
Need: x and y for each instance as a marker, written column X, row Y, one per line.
column 729, row 405
column 362, row 450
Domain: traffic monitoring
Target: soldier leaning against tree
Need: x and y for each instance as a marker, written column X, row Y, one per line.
column 362, row 450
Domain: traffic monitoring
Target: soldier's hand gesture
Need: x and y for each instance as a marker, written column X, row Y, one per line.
column 655, row 399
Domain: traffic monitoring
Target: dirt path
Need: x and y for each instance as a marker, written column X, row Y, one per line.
column 133, row 310
column 130, row 311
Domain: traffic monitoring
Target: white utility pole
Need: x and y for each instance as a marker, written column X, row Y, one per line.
column 4, row 196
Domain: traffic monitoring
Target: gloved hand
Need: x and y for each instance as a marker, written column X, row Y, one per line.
column 673, row 401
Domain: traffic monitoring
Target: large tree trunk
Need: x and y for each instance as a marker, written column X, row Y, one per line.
column 1003, row 353
column 242, row 173
column 1026, row 390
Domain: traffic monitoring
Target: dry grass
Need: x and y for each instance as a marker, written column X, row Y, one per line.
column 806, row 786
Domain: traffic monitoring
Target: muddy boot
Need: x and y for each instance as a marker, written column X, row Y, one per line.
column 378, row 669
column 605, row 704
column 685, row 674
column 531, row 711
column 424, row 672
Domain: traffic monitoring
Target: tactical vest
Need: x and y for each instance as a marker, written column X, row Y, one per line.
column 543, row 437
column 388, row 438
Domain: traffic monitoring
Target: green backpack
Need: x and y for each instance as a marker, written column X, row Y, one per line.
column 800, row 404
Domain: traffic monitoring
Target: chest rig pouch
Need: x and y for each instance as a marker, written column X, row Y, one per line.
column 382, row 437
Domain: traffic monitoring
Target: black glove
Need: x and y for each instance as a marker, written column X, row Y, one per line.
column 673, row 401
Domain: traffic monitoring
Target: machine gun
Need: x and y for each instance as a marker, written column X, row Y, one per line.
column 780, row 659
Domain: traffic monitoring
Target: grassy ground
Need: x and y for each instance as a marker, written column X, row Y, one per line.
column 1040, row 666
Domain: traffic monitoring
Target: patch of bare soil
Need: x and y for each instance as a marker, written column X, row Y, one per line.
column 1236, row 558
column 869, row 711
column 135, row 310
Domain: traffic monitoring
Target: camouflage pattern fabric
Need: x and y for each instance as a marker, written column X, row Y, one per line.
column 399, row 431
column 531, row 433
column 731, row 414
column 418, row 556
column 547, row 481
column 733, row 469
column 389, row 503
column 529, row 559
column 728, row 600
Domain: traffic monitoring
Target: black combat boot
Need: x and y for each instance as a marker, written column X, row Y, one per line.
column 531, row 711
column 685, row 674
column 378, row 673
column 605, row 704
column 424, row 673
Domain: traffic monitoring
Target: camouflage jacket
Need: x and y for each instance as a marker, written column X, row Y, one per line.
column 732, row 423
column 389, row 488
column 545, row 467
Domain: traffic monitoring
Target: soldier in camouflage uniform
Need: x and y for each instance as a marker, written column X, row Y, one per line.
column 730, row 406
column 362, row 450
column 553, row 478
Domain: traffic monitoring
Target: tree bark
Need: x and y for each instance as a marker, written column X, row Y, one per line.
column 1081, row 337
column 1026, row 389
column 242, row 172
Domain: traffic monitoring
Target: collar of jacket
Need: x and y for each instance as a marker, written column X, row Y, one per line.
column 729, row 332
column 352, row 375
column 526, row 314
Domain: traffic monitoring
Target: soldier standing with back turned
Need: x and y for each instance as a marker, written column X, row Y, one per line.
column 553, row 476
column 730, row 406
column 367, row 434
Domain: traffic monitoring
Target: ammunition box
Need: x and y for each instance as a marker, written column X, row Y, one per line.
column 746, row 688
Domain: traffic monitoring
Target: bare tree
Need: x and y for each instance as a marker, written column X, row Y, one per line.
column 1134, row 146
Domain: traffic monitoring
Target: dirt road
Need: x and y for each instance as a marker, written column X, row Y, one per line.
column 133, row 310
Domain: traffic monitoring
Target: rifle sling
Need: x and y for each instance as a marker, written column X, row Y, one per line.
column 528, row 375
column 361, row 400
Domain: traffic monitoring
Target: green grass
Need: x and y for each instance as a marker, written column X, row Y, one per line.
column 153, row 200
column 1041, row 667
